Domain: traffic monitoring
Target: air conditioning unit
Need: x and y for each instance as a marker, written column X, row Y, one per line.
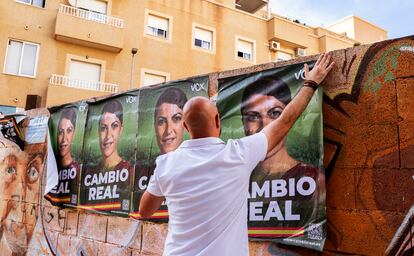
column 300, row 52
column 274, row 46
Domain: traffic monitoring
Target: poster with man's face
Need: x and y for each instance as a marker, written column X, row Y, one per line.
column 287, row 190
column 109, row 155
column 161, row 130
column 66, row 128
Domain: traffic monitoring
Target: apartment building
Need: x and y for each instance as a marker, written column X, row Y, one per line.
column 58, row 51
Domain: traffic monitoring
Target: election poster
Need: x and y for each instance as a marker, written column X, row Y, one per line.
column 287, row 190
column 67, row 127
column 109, row 155
column 161, row 130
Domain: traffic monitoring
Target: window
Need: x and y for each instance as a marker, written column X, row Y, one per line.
column 38, row 3
column 203, row 38
column 245, row 49
column 97, row 10
column 283, row 56
column 150, row 79
column 85, row 70
column 21, row 58
column 157, row 26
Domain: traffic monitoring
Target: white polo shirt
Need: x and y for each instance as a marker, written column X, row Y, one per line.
column 205, row 183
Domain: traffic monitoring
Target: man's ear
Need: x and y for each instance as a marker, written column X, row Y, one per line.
column 217, row 119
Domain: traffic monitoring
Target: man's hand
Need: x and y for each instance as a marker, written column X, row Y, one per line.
column 322, row 67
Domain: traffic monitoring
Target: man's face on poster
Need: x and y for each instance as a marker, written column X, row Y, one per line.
column 259, row 111
column 110, row 129
column 66, row 132
column 169, row 127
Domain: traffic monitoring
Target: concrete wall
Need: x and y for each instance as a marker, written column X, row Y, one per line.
column 369, row 162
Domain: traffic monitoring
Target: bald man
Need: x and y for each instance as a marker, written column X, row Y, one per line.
column 205, row 181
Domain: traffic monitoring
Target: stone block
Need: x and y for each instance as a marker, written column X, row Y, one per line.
column 71, row 223
column 92, row 226
column 363, row 145
column 406, row 59
column 361, row 232
column 407, row 143
column 376, row 107
column 64, row 245
column 111, row 249
column 153, row 238
column 88, row 247
column 405, row 98
column 382, row 189
column 341, row 189
column 54, row 218
column 124, row 232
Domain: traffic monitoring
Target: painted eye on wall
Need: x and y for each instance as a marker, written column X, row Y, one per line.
column 11, row 170
column 32, row 174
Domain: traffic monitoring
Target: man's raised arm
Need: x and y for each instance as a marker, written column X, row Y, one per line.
column 277, row 129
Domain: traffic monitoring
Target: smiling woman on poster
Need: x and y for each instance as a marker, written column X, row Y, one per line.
column 262, row 102
column 168, row 123
column 110, row 130
column 66, row 134
column 106, row 186
column 66, row 191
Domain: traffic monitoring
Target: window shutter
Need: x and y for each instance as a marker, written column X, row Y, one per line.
column 244, row 46
column 14, row 53
column 85, row 71
column 93, row 5
column 29, row 60
column 203, row 34
column 150, row 79
column 157, row 22
column 284, row 56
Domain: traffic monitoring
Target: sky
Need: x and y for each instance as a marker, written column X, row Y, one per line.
column 396, row 16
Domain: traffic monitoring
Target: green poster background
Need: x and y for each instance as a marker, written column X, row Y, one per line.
column 81, row 110
column 92, row 157
column 305, row 139
column 147, row 147
column 304, row 144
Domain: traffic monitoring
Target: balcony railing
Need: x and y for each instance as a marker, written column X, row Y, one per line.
column 90, row 15
column 83, row 84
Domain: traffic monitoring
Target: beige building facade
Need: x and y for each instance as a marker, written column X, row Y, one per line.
column 67, row 50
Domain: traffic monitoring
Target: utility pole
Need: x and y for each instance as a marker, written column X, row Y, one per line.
column 133, row 52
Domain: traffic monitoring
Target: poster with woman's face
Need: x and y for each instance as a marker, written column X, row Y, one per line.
column 109, row 155
column 160, row 129
column 66, row 127
column 287, row 190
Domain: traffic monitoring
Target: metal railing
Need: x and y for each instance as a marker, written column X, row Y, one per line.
column 91, row 15
column 403, row 241
column 82, row 84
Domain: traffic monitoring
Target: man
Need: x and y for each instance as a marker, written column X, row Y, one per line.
column 205, row 181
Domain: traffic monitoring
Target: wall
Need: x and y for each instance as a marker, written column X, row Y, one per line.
column 178, row 58
column 369, row 149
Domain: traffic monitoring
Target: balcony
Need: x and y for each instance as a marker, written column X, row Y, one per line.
column 64, row 89
column 290, row 33
column 83, row 84
column 250, row 6
column 89, row 28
